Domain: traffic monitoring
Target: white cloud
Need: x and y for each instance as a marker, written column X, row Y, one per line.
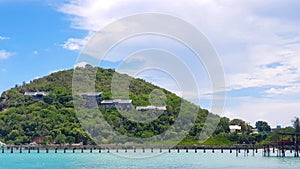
column 270, row 110
column 74, row 44
column 4, row 54
column 271, row 66
column 4, row 38
column 283, row 91
column 35, row 52
column 80, row 64
column 246, row 38
column 54, row 71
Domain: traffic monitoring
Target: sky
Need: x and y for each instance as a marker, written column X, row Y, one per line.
column 258, row 44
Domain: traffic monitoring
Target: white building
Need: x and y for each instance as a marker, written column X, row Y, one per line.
column 36, row 95
column 145, row 108
column 235, row 128
column 125, row 105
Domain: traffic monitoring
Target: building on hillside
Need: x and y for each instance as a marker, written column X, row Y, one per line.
column 278, row 126
column 92, row 99
column 235, row 128
column 254, row 131
column 145, row 108
column 36, row 95
column 125, row 105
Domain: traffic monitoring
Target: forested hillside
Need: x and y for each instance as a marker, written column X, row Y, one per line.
column 53, row 118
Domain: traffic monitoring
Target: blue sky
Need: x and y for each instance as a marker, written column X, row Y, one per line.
column 257, row 42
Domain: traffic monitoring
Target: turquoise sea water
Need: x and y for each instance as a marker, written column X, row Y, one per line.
column 166, row 160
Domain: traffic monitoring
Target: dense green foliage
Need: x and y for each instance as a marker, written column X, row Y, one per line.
column 54, row 119
column 262, row 126
column 23, row 118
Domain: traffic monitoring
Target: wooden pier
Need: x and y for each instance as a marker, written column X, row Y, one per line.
column 282, row 147
column 274, row 150
column 237, row 149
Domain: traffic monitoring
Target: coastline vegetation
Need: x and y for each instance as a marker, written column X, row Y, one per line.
column 53, row 119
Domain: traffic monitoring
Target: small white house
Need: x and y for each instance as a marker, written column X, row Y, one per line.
column 151, row 107
column 125, row 105
column 254, row 131
column 36, row 95
column 235, row 128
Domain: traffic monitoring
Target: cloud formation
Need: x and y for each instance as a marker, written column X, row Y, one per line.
column 248, row 35
column 74, row 44
column 4, row 38
column 258, row 42
column 4, row 54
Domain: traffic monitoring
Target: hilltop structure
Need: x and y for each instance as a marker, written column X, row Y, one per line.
column 125, row 105
column 151, row 107
column 92, row 99
column 36, row 95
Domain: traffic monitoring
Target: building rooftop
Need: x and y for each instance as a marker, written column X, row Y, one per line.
column 35, row 93
column 91, row 94
column 151, row 107
column 116, row 101
column 235, row 127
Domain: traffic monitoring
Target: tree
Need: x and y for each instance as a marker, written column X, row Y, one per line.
column 70, row 139
column 262, row 126
column 13, row 135
column 60, row 139
column 223, row 126
column 47, row 140
column 296, row 124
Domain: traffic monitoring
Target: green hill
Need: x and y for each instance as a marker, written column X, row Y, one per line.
column 24, row 119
